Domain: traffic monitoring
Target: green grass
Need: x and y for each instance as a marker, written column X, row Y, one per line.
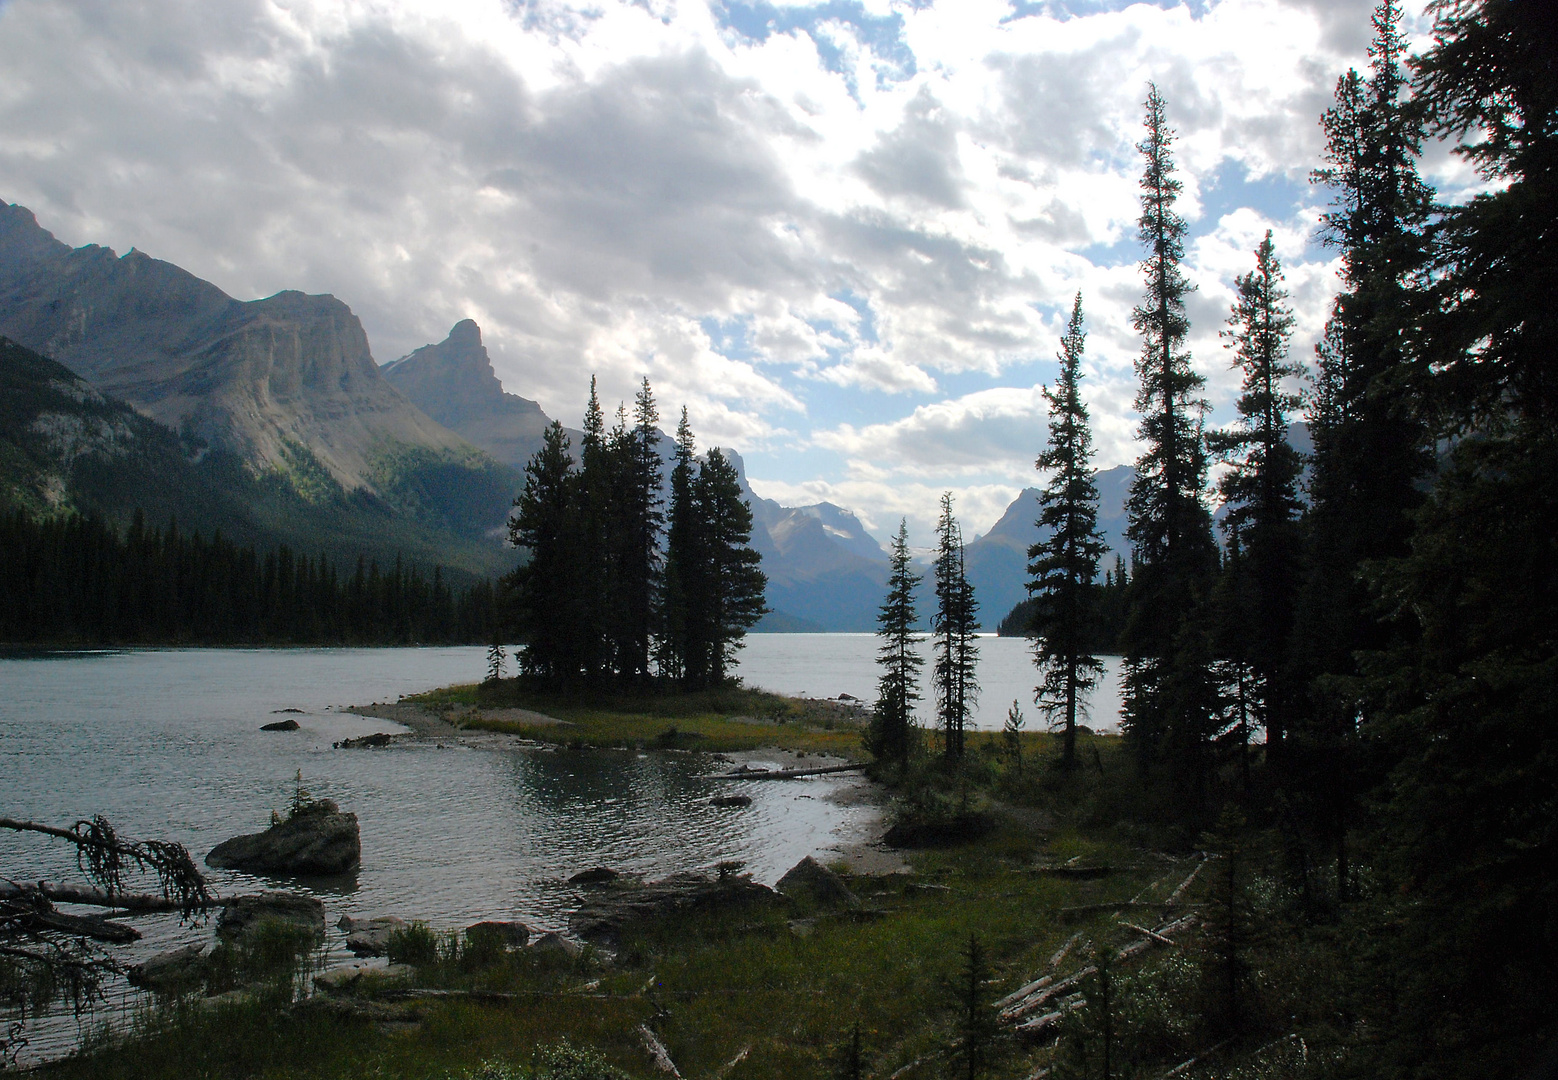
column 724, row 719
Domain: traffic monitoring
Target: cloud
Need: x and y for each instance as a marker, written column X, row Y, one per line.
column 768, row 208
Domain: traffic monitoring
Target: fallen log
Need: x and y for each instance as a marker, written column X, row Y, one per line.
column 96, row 928
column 74, row 894
column 658, row 1052
column 1060, row 954
column 1141, row 945
column 1183, row 1065
column 1150, row 933
column 1039, row 1023
column 1183, row 885
column 1082, row 911
column 1023, row 991
column 785, row 774
column 1036, row 1001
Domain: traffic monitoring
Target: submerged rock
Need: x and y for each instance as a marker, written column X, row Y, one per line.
column 598, row 875
column 280, row 725
column 316, row 839
column 613, row 908
column 242, row 915
column 811, row 881
column 727, row 801
column 370, row 937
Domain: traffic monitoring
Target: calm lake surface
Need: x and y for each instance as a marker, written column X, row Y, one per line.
column 166, row 743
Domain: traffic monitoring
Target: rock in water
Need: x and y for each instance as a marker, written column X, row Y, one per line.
column 513, row 935
column 280, row 725
column 728, row 801
column 370, row 937
column 179, row 969
column 317, row 839
column 810, row 880
column 241, row 915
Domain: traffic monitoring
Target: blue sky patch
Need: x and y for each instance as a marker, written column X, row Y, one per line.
column 882, row 35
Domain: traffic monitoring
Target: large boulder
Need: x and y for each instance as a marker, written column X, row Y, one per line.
column 242, row 915
column 317, row 839
column 808, row 880
column 179, row 969
column 613, row 907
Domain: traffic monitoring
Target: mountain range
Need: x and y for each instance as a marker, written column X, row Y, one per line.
column 132, row 384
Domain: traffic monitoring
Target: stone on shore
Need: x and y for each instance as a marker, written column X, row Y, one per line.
column 597, row 875
column 370, row 937
column 243, row 915
column 554, row 944
column 317, row 839
column 809, row 880
column 615, row 907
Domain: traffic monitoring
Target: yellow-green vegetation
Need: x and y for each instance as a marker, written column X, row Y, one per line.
column 776, row 990
column 729, row 718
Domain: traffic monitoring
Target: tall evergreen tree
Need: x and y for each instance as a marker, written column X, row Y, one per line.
column 953, row 626
column 544, row 524
column 1063, row 565
column 636, row 522
column 681, row 646
column 1260, row 490
column 595, row 547
column 1467, row 700
column 1167, row 684
column 728, row 599
column 898, row 687
column 1372, row 446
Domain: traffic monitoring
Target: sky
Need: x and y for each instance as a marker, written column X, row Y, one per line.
column 844, row 235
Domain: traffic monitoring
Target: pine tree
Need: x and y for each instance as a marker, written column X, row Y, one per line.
column 642, row 522
column 976, row 1018
column 898, row 687
column 1261, row 576
column 596, row 550
column 953, row 626
column 729, row 595
column 1063, row 565
column 544, row 524
column 1011, row 732
column 1167, row 685
column 1372, row 447
column 1467, row 698
column 681, row 646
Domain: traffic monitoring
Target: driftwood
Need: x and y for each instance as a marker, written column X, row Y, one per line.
column 657, row 1051
column 784, row 774
column 98, row 929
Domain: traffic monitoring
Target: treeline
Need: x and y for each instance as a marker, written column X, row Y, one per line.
column 76, row 580
column 617, row 589
column 1367, row 676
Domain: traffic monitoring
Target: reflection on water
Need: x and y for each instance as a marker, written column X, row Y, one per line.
column 166, row 743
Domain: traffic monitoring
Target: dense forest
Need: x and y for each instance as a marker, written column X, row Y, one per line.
column 78, row 581
column 1352, row 688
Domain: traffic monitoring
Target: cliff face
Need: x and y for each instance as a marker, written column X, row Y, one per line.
column 272, row 380
column 453, row 382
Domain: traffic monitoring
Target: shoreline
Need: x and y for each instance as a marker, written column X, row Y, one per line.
column 862, row 854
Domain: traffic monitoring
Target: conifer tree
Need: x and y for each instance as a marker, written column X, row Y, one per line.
column 1063, row 565
column 544, row 524
column 953, row 626
column 595, row 547
column 636, row 522
column 898, row 687
column 728, row 599
column 1260, row 491
column 1167, row 684
column 680, row 644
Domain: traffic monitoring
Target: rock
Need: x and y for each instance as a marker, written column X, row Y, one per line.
column 243, row 914
column 317, row 839
column 512, row 934
column 178, row 969
column 554, row 944
column 810, row 880
column 731, row 800
column 611, row 909
column 377, row 739
column 341, row 980
column 281, row 725
column 599, row 875
column 273, row 712
column 370, row 937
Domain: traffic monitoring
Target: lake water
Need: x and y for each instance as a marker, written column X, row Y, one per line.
column 166, row 743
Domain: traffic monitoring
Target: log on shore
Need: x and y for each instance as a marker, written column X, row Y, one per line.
column 785, row 774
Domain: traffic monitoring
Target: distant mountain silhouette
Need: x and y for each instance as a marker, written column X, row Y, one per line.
column 453, row 382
